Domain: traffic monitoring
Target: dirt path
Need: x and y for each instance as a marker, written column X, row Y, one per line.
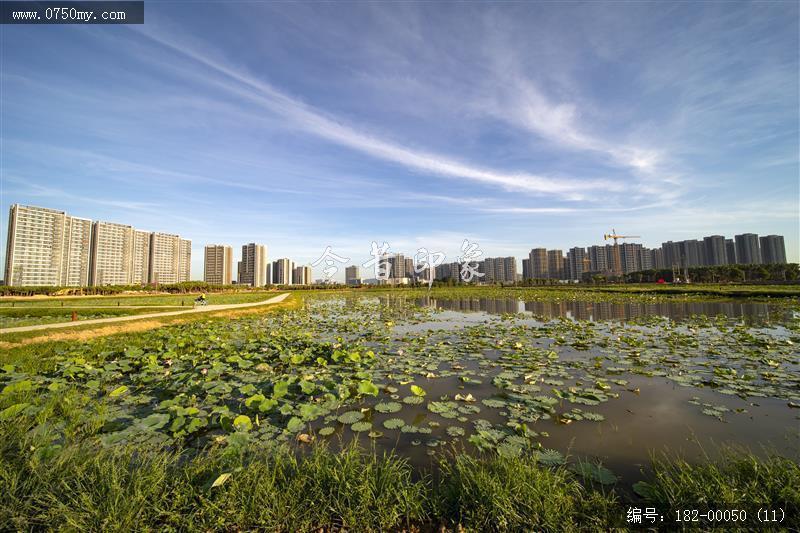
column 200, row 309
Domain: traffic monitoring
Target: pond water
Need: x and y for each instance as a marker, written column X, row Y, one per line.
column 597, row 311
column 656, row 409
column 563, row 381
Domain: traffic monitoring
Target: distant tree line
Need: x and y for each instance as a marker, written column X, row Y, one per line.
column 789, row 272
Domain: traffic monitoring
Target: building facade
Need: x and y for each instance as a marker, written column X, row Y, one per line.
column 301, row 275
column 747, row 249
column 47, row 247
column 111, row 261
column 252, row 268
column 170, row 258
column 352, row 275
column 218, row 264
column 282, row 271
column 538, row 262
column 715, row 251
column 773, row 249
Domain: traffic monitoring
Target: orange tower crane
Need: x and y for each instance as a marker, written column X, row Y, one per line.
column 617, row 267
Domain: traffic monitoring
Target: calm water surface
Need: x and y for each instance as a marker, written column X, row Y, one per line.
column 651, row 415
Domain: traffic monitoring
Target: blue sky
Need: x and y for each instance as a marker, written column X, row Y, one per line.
column 514, row 125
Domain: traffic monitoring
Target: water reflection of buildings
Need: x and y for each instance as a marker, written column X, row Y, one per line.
column 582, row 310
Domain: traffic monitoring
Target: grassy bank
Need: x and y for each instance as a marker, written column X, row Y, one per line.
column 241, row 487
column 22, row 316
column 39, row 345
column 135, row 299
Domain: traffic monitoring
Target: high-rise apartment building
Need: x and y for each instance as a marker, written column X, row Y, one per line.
column 555, row 264
column 773, row 249
column 253, row 266
column 397, row 266
column 578, row 261
column 282, row 271
column 301, row 275
column 170, row 258
column 47, row 247
column 352, row 275
column 111, row 261
column 630, row 256
column 730, row 251
column 77, row 252
column 409, row 268
column 539, row 265
column 715, row 252
column 218, row 264
column 598, row 258
column 498, row 270
column 658, row 258
column 526, row 268
column 747, row 249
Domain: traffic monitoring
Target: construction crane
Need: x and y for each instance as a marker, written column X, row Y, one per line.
column 613, row 235
column 617, row 267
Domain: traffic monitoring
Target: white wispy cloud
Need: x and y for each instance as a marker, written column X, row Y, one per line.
column 316, row 122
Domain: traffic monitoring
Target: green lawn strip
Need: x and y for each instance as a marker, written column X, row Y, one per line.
column 21, row 316
column 137, row 299
column 45, row 345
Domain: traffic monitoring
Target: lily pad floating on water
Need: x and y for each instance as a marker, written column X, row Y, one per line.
column 393, row 423
column 326, row 431
column 455, row 431
column 350, row 417
column 413, row 400
column 594, row 472
column 388, row 407
column 361, row 426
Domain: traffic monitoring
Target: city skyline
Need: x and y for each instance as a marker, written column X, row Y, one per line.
column 79, row 251
column 421, row 126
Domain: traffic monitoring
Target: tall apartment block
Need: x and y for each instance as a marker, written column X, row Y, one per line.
column 111, row 261
column 352, row 275
column 170, row 258
column 498, row 270
column 555, row 264
column 747, row 249
column 218, row 264
column 578, row 262
column 253, row 266
column 282, row 271
column 538, row 263
column 301, row 275
column 526, row 268
column 773, row 249
column 730, row 251
column 47, row 247
column 715, row 251
column 397, row 264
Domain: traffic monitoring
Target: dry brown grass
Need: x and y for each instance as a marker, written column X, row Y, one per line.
column 88, row 332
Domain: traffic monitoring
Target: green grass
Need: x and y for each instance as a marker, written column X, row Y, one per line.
column 276, row 489
column 138, row 299
column 22, row 316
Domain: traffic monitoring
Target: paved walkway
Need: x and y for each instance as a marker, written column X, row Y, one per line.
column 199, row 309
